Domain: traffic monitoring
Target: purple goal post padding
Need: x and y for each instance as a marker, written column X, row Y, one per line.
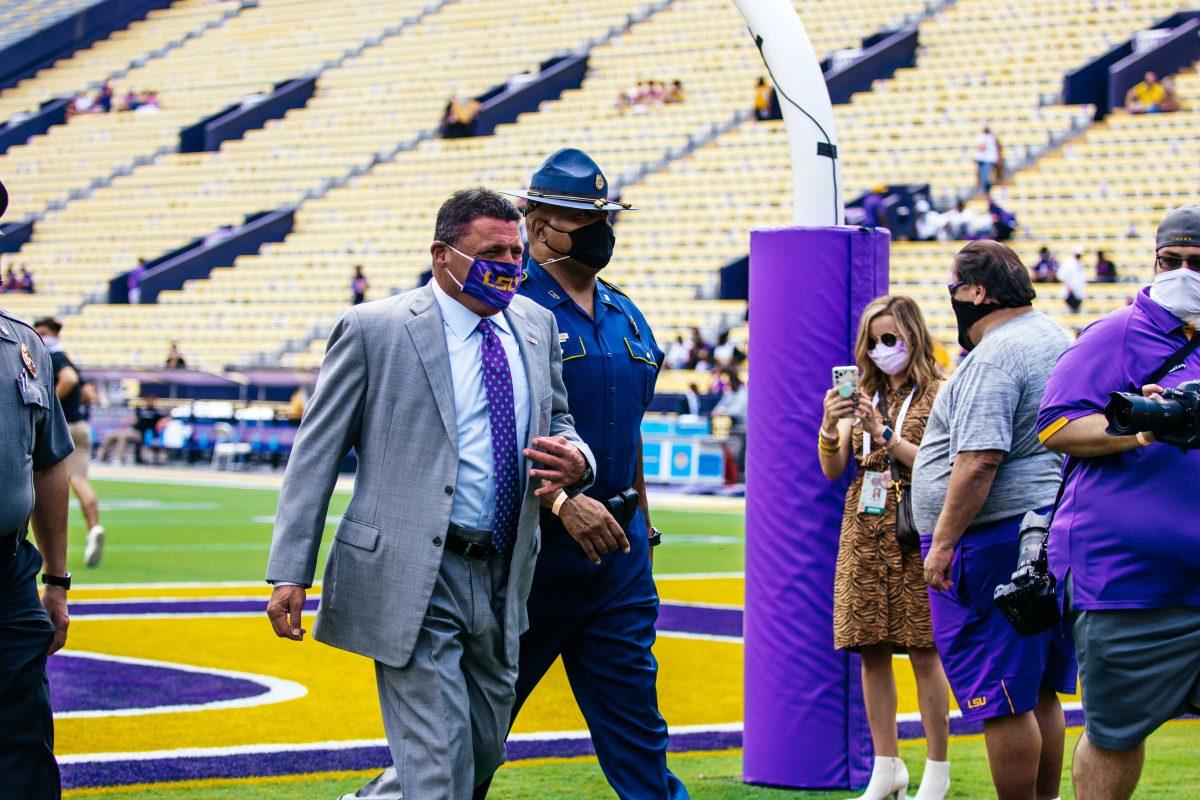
column 805, row 726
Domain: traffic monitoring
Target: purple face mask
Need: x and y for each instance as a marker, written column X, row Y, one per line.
column 493, row 283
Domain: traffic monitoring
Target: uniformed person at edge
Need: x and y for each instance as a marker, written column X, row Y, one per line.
column 34, row 445
column 594, row 602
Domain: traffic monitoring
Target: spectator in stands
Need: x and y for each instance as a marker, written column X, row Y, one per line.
column 1073, row 277
column 979, row 470
column 1046, row 268
column 358, row 286
column 9, row 283
column 25, row 282
column 719, row 384
column 148, row 102
column 1145, row 97
column 698, row 348
column 988, row 154
column 84, row 103
column 1004, row 222
column 1170, row 102
column 657, row 93
column 874, row 206
column 726, row 353
column 130, row 101
column 459, row 122
column 675, row 93
column 691, row 399
column 624, row 102
column 175, row 359
column 733, row 399
column 880, row 430
column 104, row 100
column 133, row 282
column 1106, row 270
column 764, row 100
column 641, row 93
column 931, row 225
column 678, row 354
column 960, row 223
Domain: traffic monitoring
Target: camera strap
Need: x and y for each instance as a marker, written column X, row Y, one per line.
column 1173, row 362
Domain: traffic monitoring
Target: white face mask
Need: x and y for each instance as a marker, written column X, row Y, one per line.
column 1178, row 291
column 892, row 360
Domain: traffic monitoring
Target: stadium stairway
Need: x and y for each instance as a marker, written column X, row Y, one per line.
column 916, row 127
column 383, row 217
column 86, row 70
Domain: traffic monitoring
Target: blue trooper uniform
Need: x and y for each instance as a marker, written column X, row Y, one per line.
column 600, row 619
column 33, row 437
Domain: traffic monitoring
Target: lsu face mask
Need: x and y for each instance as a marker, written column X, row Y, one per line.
column 493, row 283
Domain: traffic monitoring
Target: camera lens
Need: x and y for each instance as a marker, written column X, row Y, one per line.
column 1130, row 413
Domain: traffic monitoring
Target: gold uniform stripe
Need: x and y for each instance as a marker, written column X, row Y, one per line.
column 1052, row 428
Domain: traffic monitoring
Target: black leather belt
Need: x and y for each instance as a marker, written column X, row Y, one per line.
column 468, row 543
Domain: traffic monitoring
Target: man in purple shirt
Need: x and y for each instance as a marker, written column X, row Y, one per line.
column 1125, row 536
column 134, row 282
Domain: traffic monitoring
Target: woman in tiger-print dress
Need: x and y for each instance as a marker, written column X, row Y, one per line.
column 881, row 602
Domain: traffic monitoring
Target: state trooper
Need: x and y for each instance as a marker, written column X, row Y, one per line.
column 594, row 602
column 34, row 445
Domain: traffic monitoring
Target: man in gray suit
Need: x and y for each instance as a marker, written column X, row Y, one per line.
column 444, row 393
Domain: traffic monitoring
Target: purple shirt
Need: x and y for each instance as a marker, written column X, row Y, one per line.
column 1126, row 528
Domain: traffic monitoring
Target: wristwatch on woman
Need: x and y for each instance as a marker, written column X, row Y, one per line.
column 888, row 435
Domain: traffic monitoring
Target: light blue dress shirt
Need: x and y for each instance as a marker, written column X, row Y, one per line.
column 475, row 488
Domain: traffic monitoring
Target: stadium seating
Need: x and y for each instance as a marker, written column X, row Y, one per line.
column 383, row 219
column 20, row 19
column 917, row 127
column 76, row 72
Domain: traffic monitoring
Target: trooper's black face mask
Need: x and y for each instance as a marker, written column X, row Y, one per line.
column 591, row 245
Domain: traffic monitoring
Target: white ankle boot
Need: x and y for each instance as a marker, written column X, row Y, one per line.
column 935, row 783
column 889, row 780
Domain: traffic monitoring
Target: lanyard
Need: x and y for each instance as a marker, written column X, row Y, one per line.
column 897, row 428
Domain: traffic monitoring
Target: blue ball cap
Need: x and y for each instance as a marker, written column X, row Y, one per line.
column 570, row 178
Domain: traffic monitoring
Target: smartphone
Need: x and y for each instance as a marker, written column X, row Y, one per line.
column 845, row 380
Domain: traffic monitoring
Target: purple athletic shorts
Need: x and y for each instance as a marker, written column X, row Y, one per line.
column 993, row 670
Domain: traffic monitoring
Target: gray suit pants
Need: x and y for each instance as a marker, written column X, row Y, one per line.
column 446, row 713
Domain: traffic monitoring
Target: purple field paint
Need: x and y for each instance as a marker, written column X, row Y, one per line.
column 694, row 619
column 80, row 683
column 805, row 726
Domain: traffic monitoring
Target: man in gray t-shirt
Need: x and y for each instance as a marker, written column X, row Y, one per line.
column 979, row 469
column 991, row 403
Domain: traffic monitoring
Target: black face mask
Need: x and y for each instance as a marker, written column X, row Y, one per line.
column 968, row 314
column 591, row 245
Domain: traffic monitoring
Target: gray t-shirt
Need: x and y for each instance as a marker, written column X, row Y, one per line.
column 991, row 403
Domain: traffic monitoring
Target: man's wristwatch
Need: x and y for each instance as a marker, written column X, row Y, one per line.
column 580, row 485
column 655, row 537
column 55, row 580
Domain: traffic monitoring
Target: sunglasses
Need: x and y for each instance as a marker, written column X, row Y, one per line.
column 954, row 287
column 887, row 340
column 1175, row 262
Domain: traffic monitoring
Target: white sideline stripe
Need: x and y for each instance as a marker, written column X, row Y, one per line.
column 696, row 576
column 345, row 744
column 164, row 600
column 691, row 604
column 83, row 618
column 278, row 689
column 703, row 637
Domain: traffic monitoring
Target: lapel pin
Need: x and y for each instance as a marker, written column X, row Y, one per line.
column 531, row 340
column 562, row 337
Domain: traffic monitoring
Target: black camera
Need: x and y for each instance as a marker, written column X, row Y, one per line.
column 1028, row 602
column 1174, row 418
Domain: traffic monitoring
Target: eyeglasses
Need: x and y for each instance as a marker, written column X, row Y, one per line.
column 1175, row 262
column 887, row 340
column 954, row 287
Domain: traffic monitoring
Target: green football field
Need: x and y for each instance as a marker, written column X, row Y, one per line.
column 162, row 532
column 168, row 532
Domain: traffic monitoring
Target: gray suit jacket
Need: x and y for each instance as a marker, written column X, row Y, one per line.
column 385, row 390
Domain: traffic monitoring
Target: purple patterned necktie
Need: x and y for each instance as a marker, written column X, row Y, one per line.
column 497, row 380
